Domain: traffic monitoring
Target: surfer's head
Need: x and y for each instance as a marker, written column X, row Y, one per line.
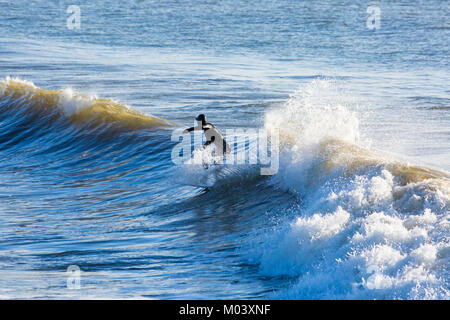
column 202, row 118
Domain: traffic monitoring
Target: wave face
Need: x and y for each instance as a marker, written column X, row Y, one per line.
column 23, row 98
column 366, row 226
column 339, row 220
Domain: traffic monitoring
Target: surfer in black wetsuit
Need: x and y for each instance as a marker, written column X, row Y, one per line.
column 212, row 136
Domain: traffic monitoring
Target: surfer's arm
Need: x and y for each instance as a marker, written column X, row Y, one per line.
column 189, row 130
column 207, row 126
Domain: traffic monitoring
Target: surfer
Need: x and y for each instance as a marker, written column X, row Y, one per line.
column 212, row 134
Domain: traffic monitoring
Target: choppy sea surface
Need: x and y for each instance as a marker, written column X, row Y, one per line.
column 358, row 209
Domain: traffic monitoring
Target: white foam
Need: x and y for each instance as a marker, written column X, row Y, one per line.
column 69, row 101
column 362, row 235
column 8, row 80
column 72, row 103
column 317, row 111
column 207, row 170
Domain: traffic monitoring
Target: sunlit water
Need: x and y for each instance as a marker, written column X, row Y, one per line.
column 358, row 209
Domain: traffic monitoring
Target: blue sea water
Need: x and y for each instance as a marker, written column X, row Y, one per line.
column 359, row 208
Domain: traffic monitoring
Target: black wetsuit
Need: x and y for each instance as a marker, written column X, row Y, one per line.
column 213, row 136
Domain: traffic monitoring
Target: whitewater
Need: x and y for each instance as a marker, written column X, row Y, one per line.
column 364, row 226
column 368, row 226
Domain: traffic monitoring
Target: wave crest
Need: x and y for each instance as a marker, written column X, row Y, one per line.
column 77, row 107
column 366, row 226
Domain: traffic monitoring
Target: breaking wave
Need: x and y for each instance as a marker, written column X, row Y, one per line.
column 366, row 226
column 24, row 98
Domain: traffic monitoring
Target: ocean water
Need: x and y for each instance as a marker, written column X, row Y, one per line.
column 358, row 209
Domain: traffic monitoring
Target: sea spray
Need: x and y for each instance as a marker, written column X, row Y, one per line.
column 366, row 227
